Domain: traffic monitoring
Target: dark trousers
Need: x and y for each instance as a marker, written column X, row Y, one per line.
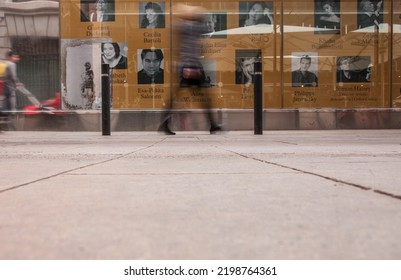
column 7, row 99
column 185, row 83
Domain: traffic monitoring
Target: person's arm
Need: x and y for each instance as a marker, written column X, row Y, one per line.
column 249, row 22
column 378, row 8
column 13, row 73
column 91, row 75
column 269, row 16
column 248, row 76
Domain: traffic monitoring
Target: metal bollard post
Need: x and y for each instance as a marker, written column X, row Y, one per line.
column 105, row 99
column 258, row 98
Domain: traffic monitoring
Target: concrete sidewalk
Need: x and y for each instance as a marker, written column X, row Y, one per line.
column 139, row 195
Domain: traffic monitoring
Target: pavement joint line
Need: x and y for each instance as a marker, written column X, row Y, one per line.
column 358, row 186
column 79, row 168
column 167, row 173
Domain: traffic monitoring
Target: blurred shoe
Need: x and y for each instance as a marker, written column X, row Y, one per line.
column 163, row 128
column 216, row 128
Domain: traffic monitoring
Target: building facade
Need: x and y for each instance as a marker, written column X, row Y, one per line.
column 31, row 28
column 325, row 64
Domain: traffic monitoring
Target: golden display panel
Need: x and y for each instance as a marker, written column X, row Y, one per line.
column 315, row 54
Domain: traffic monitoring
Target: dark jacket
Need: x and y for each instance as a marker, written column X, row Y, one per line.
column 143, row 78
column 307, row 79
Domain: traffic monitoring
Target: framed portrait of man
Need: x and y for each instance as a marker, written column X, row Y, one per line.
column 370, row 13
column 215, row 24
column 304, row 69
column 150, row 66
column 244, row 69
column 354, row 69
column 255, row 13
column 97, row 10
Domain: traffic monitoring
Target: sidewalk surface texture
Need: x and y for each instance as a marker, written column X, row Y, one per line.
column 140, row 195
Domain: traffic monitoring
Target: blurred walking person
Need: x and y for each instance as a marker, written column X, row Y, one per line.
column 190, row 29
column 11, row 81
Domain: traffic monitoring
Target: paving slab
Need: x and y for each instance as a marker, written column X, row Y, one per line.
column 141, row 195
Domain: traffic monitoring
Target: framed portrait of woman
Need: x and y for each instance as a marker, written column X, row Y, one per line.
column 255, row 13
column 115, row 55
column 152, row 15
column 327, row 17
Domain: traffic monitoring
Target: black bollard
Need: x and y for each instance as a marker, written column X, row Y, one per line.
column 258, row 98
column 105, row 99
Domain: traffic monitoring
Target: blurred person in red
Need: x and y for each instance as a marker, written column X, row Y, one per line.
column 190, row 28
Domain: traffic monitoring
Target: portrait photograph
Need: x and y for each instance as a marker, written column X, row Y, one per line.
column 150, row 66
column 370, row 13
column 83, row 81
column 207, row 77
column 254, row 13
column 327, row 17
column 115, row 55
column 304, row 69
column 354, row 69
column 209, row 66
column 152, row 15
column 214, row 23
column 97, row 10
column 244, row 69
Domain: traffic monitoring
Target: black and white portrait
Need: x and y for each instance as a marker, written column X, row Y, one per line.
column 150, row 66
column 244, row 70
column 370, row 13
column 115, row 55
column 214, row 25
column 254, row 13
column 354, row 69
column 327, row 16
column 304, row 70
column 83, row 80
column 97, row 10
column 152, row 15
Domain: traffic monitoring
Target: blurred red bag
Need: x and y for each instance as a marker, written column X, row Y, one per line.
column 1, row 87
column 191, row 73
